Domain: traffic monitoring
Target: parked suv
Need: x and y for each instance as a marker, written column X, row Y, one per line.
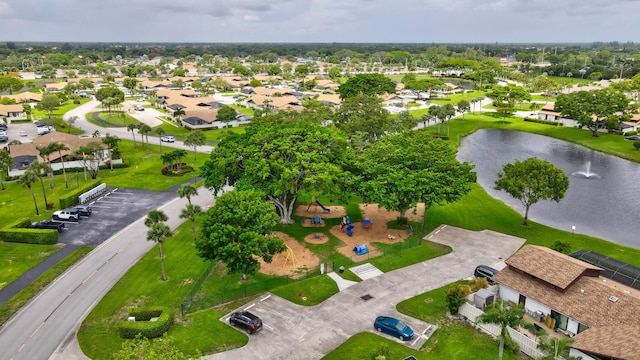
column 484, row 271
column 66, row 214
column 246, row 320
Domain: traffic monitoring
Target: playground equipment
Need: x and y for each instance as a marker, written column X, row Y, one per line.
column 366, row 223
column 314, row 200
column 290, row 256
column 316, row 220
column 347, row 225
column 361, row 249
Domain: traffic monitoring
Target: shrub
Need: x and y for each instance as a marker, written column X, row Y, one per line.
column 636, row 145
column 561, row 247
column 455, row 298
column 631, row 133
column 544, row 122
column 72, row 199
column 142, row 326
column 29, row 236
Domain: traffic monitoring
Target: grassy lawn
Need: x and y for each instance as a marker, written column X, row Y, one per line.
column 141, row 286
column 519, row 107
column 456, row 98
column 59, row 111
column 570, row 81
column 16, row 259
column 543, row 98
column 15, row 303
column 112, row 119
column 367, row 345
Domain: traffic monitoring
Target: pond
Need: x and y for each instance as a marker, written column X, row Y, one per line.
column 603, row 199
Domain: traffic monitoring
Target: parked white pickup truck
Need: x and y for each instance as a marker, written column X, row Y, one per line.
column 45, row 129
column 66, row 214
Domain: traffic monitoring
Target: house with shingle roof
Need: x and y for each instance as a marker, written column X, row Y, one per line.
column 603, row 315
column 56, row 87
column 25, row 97
column 12, row 112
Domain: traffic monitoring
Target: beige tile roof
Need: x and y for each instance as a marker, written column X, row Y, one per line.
column 149, row 84
column 12, row 108
column 283, row 101
column 58, row 86
column 208, row 115
column 260, row 90
column 330, row 98
column 619, row 341
column 190, row 102
column 169, row 93
column 73, row 142
column 28, row 96
column 387, row 96
column 551, row 266
column 268, row 77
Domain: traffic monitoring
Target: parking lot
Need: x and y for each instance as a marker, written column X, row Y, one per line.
column 112, row 212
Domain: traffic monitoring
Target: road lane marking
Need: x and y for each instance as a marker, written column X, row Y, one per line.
column 89, row 277
column 21, row 347
column 36, row 330
column 265, row 298
column 249, row 307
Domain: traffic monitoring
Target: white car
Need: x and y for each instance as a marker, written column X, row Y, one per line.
column 23, row 133
column 168, row 138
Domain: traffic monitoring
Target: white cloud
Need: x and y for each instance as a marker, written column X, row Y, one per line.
column 6, row 9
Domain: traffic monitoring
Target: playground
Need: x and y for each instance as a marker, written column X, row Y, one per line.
column 373, row 229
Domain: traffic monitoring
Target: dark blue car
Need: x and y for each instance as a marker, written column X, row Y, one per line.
column 393, row 327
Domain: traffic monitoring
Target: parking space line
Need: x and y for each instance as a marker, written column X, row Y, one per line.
column 249, row 307
column 265, row 298
column 267, row 326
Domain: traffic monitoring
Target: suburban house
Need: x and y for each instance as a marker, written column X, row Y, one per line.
column 150, row 85
column 570, row 296
column 12, row 112
column 25, row 97
column 56, row 87
column 25, row 154
column 163, row 94
column 276, row 103
column 205, row 118
column 330, row 99
column 632, row 124
column 548, row 112
column 447, row 89
column 271, row 92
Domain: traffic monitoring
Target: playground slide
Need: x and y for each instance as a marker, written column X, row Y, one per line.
column 350, row 227
column 322, row 206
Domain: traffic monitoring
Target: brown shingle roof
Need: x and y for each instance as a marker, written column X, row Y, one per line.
column 619, row 341
column 73, row 143
column 551, row 266
column 25, row 97
column 12, row 108
column 189, row 102
column 263, row 91
column 208, row 115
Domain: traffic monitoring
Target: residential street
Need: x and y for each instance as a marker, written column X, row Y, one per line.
column 52, row 318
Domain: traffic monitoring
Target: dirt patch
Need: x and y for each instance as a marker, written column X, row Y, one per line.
column 314, row 210
column 377, row 231
column 290, row 261
column 316, row 238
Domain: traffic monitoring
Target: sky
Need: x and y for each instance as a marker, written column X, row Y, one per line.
column 342, row 21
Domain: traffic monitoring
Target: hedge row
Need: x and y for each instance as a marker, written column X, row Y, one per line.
column 18, row 232
column 142, row 325
column 72, row 199
column 545, row 122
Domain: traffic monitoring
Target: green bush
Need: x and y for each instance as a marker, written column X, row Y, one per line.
column 22, row 223
column 115, row 166
column 30, row 236
column 142, row 325
column 545, row 122
column 72, row 199
column 631, row 133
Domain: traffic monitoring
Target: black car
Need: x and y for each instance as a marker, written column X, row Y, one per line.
column 246, row 320
column 484, row 271
column 632, row 137
column 83, row 210
column 47, row 224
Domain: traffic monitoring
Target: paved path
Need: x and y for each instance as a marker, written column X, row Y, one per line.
column 51, row 319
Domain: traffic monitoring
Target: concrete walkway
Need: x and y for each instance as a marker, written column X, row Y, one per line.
column 342, row 283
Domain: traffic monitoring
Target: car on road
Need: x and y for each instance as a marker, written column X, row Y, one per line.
column 393, row 327
column 45, row 130
column 66, row 214
column 47, row 224
column 139, row 107
column 632, row 137
column 168, row 138
column 246, row 320
column 83, row 210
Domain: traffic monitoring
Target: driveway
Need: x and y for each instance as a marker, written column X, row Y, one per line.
column 297, row 332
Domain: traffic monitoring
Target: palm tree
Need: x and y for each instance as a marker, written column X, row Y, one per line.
column 27, row 179
column 195, row 138
column 5, row 164
column 71, row 120
column 177, row 113
column 187, row 191
column 111, row 142
column 45, row 152
column 555, row 348
column 158, row 232
column 190, row 212
column 143, row 130
column 131, row 127
column 503, row 316
column 59, row 147
column 160, row 131
column 41, row 169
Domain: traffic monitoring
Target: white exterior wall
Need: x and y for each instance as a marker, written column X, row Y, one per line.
column 579, row 354
column 508, row 294
column 533, row 305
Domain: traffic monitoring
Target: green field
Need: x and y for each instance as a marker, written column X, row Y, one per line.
column 16, row 259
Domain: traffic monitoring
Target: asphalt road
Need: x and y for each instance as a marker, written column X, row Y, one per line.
column 53, row 316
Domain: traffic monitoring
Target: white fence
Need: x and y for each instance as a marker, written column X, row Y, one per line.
column 93, row 193
column 527, row 345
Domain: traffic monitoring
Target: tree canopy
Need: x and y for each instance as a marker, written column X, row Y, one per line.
column 594, row 109
column 532, row 180
column 278, row 160
column 368, row 84
column 399, row 171
column 363, row 114
column 237, row 228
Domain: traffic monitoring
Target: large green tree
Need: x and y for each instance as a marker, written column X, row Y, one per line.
column 226, row 114
column 594, row 109
column 532, row 180
column 363, row 114
column 48, row 103
column 367, row 84
column 400, row 171
column 5, row 164
column 239, row 228
column 504, row 316
column 278, row 160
